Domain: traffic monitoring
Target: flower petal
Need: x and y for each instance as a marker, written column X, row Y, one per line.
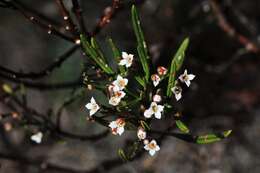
column 124, row 55
column 158, row 115
column 146, row 147
column 92, row 112
column 191, row 76
column 122, row 62
column 120, row 130
column 178, row 96
column 112, row 125
column 92, row 100
column 160, row 108
column 187, row 82
column 148, row 113
column 89, row 106
column 152, row 152
column 157, row 148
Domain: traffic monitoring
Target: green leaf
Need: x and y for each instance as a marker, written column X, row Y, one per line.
column 141, row 44
column 94, row 55
column 140, row 81
column 145, row 125
column 122, row 155
column 211, row 138
column 117, row 56
column 183, row 128
column 96, row 46
column 176, row 65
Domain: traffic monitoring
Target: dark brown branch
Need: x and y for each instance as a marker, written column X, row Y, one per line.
column 69, row 25
column 48, row 27
column 230, row 30
column 108, row 14
column 78, row 13
column 48, row 70
column 43, row 86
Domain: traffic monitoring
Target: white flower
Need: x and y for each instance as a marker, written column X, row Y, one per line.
column 156, row 79
column 92, row 106
column 127, row 59
column 186, row 78
column 152, row 147
column 117, row 126
column 154, row 109
column 37, row 137
column 141, row 134
column 162, row 70
column 177, row 92
column 157, row 98
column 114, row 101
column 120, row 82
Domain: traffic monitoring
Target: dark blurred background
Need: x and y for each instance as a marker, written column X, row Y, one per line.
column 224, row 95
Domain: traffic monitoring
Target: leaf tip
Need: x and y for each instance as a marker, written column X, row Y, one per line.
column 227, row 133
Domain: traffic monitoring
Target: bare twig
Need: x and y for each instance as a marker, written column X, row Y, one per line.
column 48, row 27
column 230, row 30
column 78, row 13
column 108, row 13
column 70, row 26
column 48, row 70
column 43, row 86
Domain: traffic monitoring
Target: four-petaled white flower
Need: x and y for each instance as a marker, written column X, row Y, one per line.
column 37, row 137
column 186, row 78
column 162, row 70
column 152, row 147
column 156, row 79
column 141, row 134
column 154, row 109
column 177, row 91
column 127, row 59
column 92, row 106
column 117, row 126
column 157, row 98
column 120, row 82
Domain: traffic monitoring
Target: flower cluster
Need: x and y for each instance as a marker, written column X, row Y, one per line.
column 116, row 93
column 116, row 90
column 156, row 78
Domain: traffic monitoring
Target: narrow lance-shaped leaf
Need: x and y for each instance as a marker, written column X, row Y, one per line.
column 141, row 44
column 122, row 155
column 140, row 81
column 96, row 46
column 211, row 138
column 183, row 128
column 94, row 55
column 117, row 56
column 203, row 139
column 176, row 65
column 145, row 125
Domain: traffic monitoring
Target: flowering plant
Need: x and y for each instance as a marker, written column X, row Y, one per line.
column 135, row 101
